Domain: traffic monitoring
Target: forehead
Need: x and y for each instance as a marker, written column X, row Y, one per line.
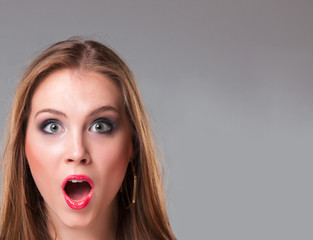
column 76, row 89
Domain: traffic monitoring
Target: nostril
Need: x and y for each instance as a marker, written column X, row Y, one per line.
column 81, row 161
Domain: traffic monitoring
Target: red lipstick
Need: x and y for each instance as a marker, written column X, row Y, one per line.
column 77, row 191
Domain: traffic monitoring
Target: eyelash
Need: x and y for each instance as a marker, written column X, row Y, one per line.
column 48, row 122
column 107, row 122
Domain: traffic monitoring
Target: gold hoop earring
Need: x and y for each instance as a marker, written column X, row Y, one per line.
column 127, row 201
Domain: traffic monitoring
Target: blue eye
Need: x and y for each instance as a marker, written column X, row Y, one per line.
column 102, row 126
column 51, row 127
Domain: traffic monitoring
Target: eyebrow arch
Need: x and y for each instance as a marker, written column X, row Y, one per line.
column 94, row 112
column 102, row 109
column 50, row 110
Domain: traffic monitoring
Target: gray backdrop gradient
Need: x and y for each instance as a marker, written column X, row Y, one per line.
column 229, row 89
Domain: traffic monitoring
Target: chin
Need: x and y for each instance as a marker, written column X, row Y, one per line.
column 66, row 217
column 93, row 216
column 76, row 222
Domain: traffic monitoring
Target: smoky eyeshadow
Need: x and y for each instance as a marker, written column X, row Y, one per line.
column 45, row 123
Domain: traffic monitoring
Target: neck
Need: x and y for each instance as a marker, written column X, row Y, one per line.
column 102, row 227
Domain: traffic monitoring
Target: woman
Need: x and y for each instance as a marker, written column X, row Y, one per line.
column 79, row 162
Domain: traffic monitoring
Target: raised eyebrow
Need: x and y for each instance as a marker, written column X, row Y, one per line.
column 52, row 111
column 104, row 108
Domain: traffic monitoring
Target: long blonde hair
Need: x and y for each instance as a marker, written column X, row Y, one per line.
column 23, row 214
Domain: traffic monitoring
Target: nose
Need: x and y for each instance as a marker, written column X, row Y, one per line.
column 77, row 150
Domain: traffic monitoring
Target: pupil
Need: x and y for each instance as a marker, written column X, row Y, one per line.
column 99, row 127
column 54, row 127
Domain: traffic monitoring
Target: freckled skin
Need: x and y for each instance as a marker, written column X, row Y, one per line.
column 76, row 148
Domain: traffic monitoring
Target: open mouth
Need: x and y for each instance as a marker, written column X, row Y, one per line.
column 77, row 191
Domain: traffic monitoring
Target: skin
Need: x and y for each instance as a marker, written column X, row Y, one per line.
column 74, row 145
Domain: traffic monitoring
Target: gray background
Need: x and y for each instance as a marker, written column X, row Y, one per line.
column 228, row 85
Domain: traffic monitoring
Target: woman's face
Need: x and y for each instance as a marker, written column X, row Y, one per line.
column 78, row 145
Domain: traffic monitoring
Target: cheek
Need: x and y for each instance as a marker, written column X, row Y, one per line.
column 112, row 159
column 40, row 159
column 33, row 155
column 35, row 164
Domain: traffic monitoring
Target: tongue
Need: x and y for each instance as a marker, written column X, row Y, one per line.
column 77, row 191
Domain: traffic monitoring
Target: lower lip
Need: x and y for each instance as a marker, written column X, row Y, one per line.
column 77, row 204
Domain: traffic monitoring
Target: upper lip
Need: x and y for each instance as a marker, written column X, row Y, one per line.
column 77, row 177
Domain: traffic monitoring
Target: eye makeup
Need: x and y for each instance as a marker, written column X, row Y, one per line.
column 102, row 126
column 51, row 126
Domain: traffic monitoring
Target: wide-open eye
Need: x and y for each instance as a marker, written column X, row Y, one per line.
column 102, row 126
column 51, row 127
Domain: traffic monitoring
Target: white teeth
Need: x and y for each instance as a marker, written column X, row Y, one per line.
column 76, row 181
